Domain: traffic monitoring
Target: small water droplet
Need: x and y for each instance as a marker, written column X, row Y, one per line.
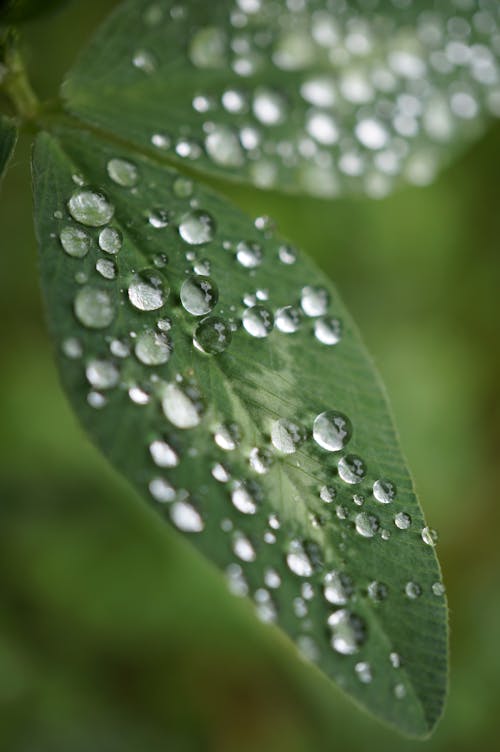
column 314, row 301
column 106, row 268
column 348, row 631
column 199, row 295
column 286, row 436
column 243, row 548
column 332, row 431
column 243, row 499
column 159, row 218
column 102, row 374
column 287, row 254
column 110, row 240
column 186, row 518
column 223, row 147
column 377, row 591
column 298, row 561
column 327, row 494
column 395, row 660
column 138, row 395
column 384, row 491
column 147, row 291
column 119, row 348
column 72, row 348
column 272, row 579
column 144, row 61
column 412, row 590
column 90, row 208
column 152, row 348
column 363, row 672
column 399, row 691
column 402, row 520
column 438, row 588
column 220, row 473
column 94, row 308
column 337, row 588
column 352, row 469
column 162, row 454
column 179, row 408
column 328, row 331
column 212, row 335
column 122, row 172
column 268, row 107
column 249, row 254
column 288, row 319
column 429, row 536
column 366, row 524
column 197, row 227
column 96, row 400
column 161, row 490
column 227, row 437
column 260, row 460
column 76, row 242
column 258, row 321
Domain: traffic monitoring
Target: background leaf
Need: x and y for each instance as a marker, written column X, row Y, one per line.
column 8, row 138
column 293, row 96
column 277, row 522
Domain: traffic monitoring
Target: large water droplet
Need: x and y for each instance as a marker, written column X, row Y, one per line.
column 348, row 631
column 94, row 308
column 199, row 295
column 286, row 436
column 90, row 208
column 258, row 321
column 152, row 348
column 197, row 227
column 75, row 242
column 122, row 172
column 179, row 408
column 352, row 469
column 147, row 291
column 332, row 430
column 212, row 335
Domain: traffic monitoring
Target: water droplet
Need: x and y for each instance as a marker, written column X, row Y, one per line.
column 384, row 491
column 179, row 408
column 227, row 437
column 90, row 208
column 429, row 536
column 307, row 647
column 287, row 254
column 144, row 61
column 159, row 218
column 286, row 436
column 438, row 588
column 337, row 588
column 352, row 469
column 220, row 473
column 328, row 331
column 258, row 321
column 106, row 268
column 161, row 140
column 314, row 301
column 75, row 242
column 377, row 591
column 268, row 107
column 94, row 308
column 96, row 400
column 402, row 520
column 122, row 172
column 102, row 374
column 223, row 147
column 399, row 691
column 110, row 240
column 242, row 498
column 272, row 578
column 147, row 291
column 288, row 319
column 161, row 490
column 249, row 254
column 162, row 453
column 186, row 518
column 366, row 524
column 152, row 348
column 298, row 561
column 348, row 631
column 260, row 460
column 199, row 295
column 138, row 395
column 332, row 431
column 72, row 348
column 363, row 672
column 371, row 133
column 212, row 335
column 243, row 548
column 266, row 610
column 327, row 494
column 119, row 349
column 412, row 590
column 197, row 227
column 183, row 187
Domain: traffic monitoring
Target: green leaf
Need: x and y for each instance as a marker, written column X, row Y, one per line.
column 294, row 97
column 17, row 11
column 228, row 446
column 8, row 138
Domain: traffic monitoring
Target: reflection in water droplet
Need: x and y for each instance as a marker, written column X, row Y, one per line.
column 348, row 631
column 199, row 295
column 258, row 321
column 152, row 348
column 212, row 335
column 90, row 208
column 147, row 291
column 179, row 408
column 94, row 308
column 186, row 518
column 197, row 227
column 110, row 240
column 332, row 431
column 76, row 242
column 384, row 491
column 352, row 469
column 122, row 172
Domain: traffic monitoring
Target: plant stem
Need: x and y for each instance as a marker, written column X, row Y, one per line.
column 14, row 80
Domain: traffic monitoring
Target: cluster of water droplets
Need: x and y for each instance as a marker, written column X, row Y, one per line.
column 366, row 97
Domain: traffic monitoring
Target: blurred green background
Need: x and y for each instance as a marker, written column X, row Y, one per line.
column 114, row 634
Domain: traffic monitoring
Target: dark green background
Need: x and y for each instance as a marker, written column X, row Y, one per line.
column 114, row 635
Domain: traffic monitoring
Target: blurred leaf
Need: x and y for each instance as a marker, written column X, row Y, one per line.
column 8, row 138
column 142, row 270
column 16, row 11
column 298, row 98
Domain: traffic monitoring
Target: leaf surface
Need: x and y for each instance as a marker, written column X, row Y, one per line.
column 8, row 138
column 294, row 96
column 232, row 447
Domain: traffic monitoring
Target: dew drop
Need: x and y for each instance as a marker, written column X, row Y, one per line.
column 110, row 240
column 286, row 436
column 352, row 469
column 412, row 590
column 287, row 255
column 152, row 348
column 220, row 473
column 399, row 691
column 429, row 536
column 183, row 187
column 366, row 524
column 268, row 107
column 227, row 437
column 314, row 300
column 90, row 208
column 223, row 147
column 199, row 295
column 337, row 588
column 102, row 374
column 122, row 172
column 179, row 408
column 159, row 219
column 348, row 631
column 243, row 548
column 186, row 518
column 197, row 227
column 332, row 431
column 147, row 291
column 438, row 589
column 119, row 349
column 106, row 268
column 94, row 308
column 258, row 321
column 402, row 520
column 96, row 400
column 287, row 319
column 327, row 494
column 384, row 491
column 161, row 490
column 377, row 591
column 212, row 335
column 144, row 61
column 395, row 660
column 298, row 561
column 272, row 579
column 363, row 672
column 260, row 460
column 242, row 499
column 162, row 454
column 371, row 133
column 328, row 331
column 249, row 254
column 75, row 242
column 72, row 348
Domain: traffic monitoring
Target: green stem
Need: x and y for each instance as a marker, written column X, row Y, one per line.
column 14, row 80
